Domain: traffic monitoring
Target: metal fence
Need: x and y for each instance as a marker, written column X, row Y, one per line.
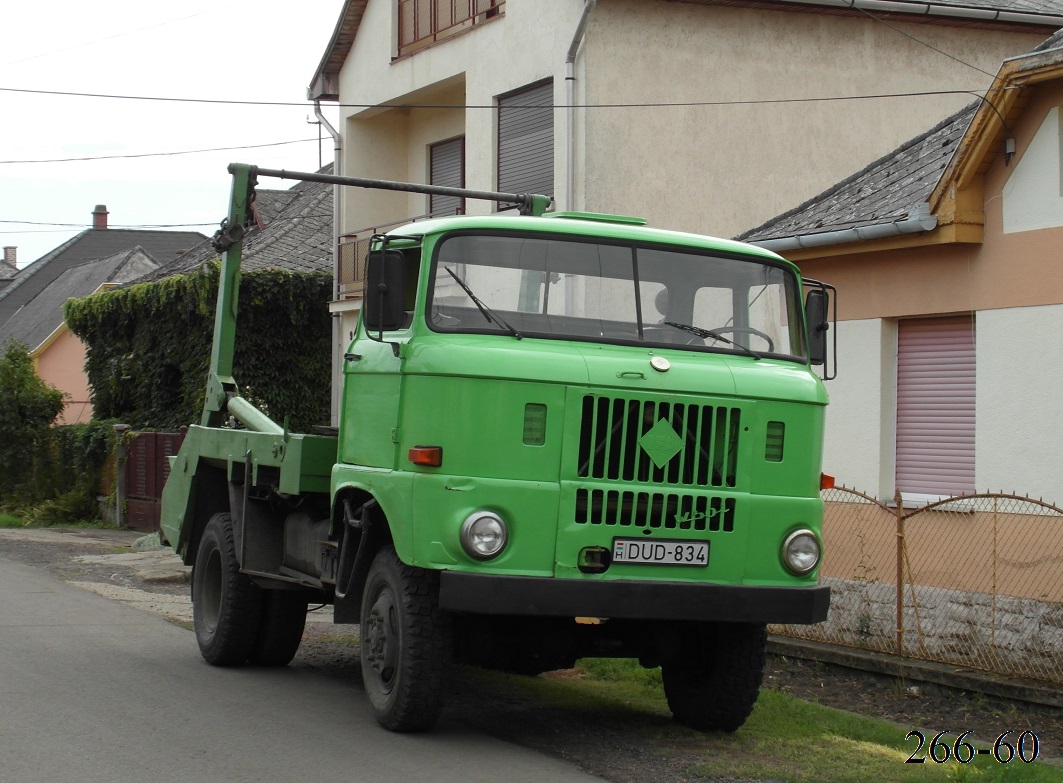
column 974, row 581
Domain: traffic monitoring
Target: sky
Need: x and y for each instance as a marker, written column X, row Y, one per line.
column 215, row 50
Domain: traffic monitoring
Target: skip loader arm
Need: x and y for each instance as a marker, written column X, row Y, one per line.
column 216, row 458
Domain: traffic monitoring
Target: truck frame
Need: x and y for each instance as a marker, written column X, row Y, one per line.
column 560, row 435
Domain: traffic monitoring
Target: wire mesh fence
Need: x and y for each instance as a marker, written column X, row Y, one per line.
column 975, row 581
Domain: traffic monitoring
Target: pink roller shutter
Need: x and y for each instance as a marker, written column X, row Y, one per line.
column 935, row 406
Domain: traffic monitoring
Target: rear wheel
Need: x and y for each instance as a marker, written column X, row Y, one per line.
column 226, row 605
column 281, row 629
column 714, row 682
column 405, row 647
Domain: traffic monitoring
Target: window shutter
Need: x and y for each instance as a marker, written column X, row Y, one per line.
column 447, row 168
column 526, row 140
column 936, row 406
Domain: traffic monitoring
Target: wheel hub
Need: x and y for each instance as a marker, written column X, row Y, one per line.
column 380, row 637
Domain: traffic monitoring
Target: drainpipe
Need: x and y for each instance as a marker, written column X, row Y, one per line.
column 570, row 111
column 337, row 320
column 917, row 221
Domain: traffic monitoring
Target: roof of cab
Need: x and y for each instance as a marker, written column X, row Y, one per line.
column 621, row 228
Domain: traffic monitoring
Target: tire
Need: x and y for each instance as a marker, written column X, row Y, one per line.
column 405, row 644
column 226, row 605
column 713, row 684
column 281, row 630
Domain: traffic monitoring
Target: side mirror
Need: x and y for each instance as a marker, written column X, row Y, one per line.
column 817, row 316
column 385, row 291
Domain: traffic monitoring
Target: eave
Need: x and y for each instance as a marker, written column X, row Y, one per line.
column 984, row 140
column 325, row 84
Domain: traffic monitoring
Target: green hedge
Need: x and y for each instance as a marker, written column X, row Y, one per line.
column 148, row 347
column 28, row 408
column 70, row 464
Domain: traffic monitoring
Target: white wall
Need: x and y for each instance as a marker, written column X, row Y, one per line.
column 860, row 418
column 1033, row 194
column 1019, row 404
column 526, row 45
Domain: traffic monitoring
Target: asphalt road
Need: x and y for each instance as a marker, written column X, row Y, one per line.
column 93, row 691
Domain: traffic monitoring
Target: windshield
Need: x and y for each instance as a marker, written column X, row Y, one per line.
column 569, row 289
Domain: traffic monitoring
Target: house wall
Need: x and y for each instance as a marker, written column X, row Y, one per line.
column 1011, row 282
column 723, row 169
column 60, row 363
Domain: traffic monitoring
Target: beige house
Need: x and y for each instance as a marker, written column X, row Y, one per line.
column 703, row 115
column 946, row 256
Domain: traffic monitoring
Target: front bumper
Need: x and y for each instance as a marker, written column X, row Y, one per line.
column 546, row 597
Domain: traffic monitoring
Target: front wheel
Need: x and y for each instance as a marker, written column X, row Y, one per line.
column 226, row 604
column 714, row 681
column 405, row 644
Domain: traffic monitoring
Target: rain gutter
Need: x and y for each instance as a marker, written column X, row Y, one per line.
column 918, row 221
column 570, row 100
column 940, row 10
column 337, row 334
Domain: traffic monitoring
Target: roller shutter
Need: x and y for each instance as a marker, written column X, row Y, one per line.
column 936, row 406
column 526, row 140
column 447, row 167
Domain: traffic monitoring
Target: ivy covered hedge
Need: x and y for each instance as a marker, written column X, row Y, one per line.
column 148, row 347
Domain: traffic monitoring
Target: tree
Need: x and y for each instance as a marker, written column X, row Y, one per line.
column 28, row 408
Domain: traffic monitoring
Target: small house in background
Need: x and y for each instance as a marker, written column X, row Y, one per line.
column 946, row 256
column 31, row 303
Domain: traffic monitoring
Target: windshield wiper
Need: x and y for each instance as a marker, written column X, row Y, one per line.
column 703, row 333
column 485, row 311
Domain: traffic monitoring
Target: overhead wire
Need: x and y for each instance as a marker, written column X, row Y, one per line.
column 160, row 154
column 494, row 107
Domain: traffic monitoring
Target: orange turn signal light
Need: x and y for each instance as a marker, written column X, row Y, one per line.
column 826, row 481
column 427, row 456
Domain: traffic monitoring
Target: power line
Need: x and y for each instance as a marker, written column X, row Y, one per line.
column 159, row 154
column 919, row 41
column 492, row 106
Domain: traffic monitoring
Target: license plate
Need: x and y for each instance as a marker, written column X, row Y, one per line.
column 661, row 552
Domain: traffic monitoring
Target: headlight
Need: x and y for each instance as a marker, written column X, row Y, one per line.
column 484, row 535
column 800, row 552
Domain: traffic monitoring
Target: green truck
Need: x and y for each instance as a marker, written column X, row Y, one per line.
column 560, row 435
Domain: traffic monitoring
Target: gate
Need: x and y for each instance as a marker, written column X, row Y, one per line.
column 145, row 471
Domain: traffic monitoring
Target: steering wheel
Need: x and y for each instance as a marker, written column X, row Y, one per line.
column 671, row 335
column 747, row 330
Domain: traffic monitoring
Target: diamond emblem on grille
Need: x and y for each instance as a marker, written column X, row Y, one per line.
column 661, row 443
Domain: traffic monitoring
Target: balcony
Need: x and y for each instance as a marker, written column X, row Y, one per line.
column 354, row 247
column 425, row 22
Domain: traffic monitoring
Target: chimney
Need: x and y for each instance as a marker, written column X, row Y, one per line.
column 10, row 255
column 99, row 217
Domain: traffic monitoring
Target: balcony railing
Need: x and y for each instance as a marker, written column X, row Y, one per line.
column 354, row 247
column 423, row 22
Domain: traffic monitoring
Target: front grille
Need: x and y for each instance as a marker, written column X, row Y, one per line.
column 654, row 510
column 616, row 442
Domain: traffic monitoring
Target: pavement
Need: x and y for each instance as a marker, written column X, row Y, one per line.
column 140, row 556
